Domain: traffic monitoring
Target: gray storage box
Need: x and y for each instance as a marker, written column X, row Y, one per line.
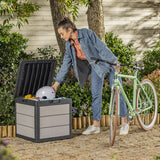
column 40, row 120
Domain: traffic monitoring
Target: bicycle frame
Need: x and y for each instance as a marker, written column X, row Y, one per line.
column 135, row 86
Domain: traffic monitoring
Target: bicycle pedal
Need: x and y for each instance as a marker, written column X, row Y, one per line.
column 130, row 118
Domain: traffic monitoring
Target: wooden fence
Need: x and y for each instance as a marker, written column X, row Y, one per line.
column 7, row 131
column 83, row 122
column 77, row 123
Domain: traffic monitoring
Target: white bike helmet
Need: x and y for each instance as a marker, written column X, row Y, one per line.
column 45, row 92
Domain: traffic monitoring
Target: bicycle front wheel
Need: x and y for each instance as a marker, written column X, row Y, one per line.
column 146, row 104
column 114, row 116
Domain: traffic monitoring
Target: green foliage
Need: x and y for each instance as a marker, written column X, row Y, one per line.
column 7, row 115
column 151, row 60
column 82, row 98
column 128, row 88
column 5, row 152
column 19, row 9
column 73, row 6
column 125, row 53
column 79, row 96
column 50, row 53
column 12, row 46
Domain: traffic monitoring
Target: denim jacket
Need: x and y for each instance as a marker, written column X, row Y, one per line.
column 91, row 46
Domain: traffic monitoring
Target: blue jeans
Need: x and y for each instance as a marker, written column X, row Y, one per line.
column 96, row 87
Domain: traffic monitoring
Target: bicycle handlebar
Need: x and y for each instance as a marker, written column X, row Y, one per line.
column 115, row 64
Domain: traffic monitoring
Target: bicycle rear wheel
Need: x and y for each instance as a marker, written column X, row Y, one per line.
column 114, row 116
column 146, row 117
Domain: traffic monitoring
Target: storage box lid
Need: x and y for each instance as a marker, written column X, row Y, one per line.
column 32, row 75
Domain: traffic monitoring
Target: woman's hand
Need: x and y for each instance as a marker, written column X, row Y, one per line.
column 117, row 68
column 55, row 86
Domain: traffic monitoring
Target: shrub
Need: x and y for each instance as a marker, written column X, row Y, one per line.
column 7, row 114
column 82, row 98
column 151, row 60
column 84, row 110
column 79, row 96
column 5, row 152
column 50, row 53
column 12, row 46
column 124, row 52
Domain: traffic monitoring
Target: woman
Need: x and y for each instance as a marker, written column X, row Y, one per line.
column 81, row 45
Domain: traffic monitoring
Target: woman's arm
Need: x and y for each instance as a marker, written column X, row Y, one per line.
column 55, row 86
column 67, row 61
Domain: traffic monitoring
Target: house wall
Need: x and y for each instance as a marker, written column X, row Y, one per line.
column 135, row 21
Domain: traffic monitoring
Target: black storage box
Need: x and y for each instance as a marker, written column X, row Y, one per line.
column 40, row 120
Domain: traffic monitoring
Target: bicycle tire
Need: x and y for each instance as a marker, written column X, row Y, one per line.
column 114, row 116
column 147, row 118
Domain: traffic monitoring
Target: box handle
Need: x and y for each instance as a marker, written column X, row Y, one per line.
column 54, row 101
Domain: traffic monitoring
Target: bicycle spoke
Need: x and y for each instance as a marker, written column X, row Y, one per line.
column 147, row 104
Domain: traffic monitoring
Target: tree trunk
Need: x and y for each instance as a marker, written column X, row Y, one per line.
column 95, row 18
column 57, row 16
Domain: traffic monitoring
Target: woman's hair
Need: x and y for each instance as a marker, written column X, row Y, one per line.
column 67, row 23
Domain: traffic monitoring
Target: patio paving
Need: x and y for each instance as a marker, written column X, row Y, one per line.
column 137, row 145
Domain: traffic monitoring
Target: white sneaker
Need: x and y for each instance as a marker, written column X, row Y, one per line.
column 124, row 129
column 91, row 130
